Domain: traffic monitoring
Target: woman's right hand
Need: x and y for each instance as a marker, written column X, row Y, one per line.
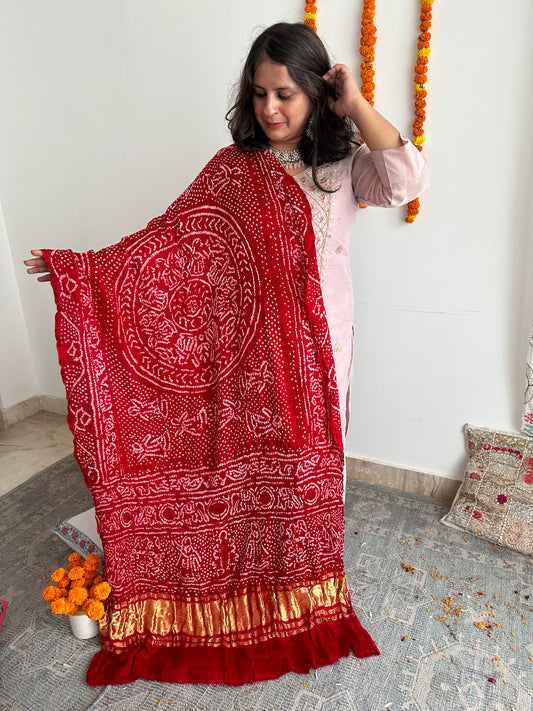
column 38, row 265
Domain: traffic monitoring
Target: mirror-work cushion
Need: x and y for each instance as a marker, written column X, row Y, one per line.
column 495, row 500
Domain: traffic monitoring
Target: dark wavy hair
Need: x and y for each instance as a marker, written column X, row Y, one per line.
column 297, row 47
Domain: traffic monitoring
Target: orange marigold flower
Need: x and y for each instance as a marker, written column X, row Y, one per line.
column 76, row 572
column 70, row 607
column 50, row 593
column 425, row 25
column 98, row 579
column 424, row 36
column 418, row 132
column 418, row 123
column 58, row 606
column 78, row 583
column 423, row 45
column 74, row 557
column 93, row 559
column 78, row 595
column 93, row 609
column 63, row 583
column 421, row 78
column 101, row 591
column 90, row 572
column 58, row 575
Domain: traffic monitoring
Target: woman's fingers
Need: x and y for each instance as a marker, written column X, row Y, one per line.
column 38, row 265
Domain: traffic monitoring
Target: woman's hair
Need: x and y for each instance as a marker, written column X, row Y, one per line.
column 297, row 47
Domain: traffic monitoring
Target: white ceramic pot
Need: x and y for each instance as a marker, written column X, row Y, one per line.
column 83, row 627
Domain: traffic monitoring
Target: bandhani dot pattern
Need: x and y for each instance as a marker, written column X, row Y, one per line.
column 202, row 398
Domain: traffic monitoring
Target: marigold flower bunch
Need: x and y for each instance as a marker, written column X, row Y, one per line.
column 421, row 68
column 79, row 588
column 366, row 50
column 310, row 15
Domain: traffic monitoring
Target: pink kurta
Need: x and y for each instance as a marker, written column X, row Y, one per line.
column 384, row 178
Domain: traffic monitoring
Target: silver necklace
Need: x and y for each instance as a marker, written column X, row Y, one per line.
column 288, row 159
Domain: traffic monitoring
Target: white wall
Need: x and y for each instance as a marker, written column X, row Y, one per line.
column 17, row 374
column 110, row 109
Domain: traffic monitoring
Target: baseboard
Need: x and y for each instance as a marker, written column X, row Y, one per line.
column 18, row 412
column 57, row 405
column 21, row 410
column 413, row 482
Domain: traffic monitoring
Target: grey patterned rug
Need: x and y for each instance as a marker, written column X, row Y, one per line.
column 451, row 614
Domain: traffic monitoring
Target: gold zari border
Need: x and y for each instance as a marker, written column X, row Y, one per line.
column 244, row 617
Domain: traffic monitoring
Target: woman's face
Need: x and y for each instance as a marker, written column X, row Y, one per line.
column 281, row 107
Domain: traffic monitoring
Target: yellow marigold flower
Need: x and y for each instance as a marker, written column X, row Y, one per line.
column 93, row 609
column 58, row 606
column 76, row 573
column 63, row 583
column 58, row 574
column 101, row 591
column 50, row 593
column 419, row 140
column 73, row 557
column 78, row 595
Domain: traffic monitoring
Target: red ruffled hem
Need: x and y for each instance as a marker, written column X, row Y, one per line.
column 323, row 645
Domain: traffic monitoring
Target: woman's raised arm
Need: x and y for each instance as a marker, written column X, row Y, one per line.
column 378, row 133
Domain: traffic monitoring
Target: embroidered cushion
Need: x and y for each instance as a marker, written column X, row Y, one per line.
column 495, row 500
column 79, row 532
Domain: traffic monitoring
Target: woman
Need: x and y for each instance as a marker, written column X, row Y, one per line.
column 198, row 360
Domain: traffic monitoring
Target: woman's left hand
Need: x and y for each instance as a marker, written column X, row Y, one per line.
column 344, row 86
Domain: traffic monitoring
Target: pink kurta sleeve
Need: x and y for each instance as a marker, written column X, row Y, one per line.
column 390, row 177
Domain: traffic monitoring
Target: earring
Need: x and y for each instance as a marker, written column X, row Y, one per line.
column 309, row 130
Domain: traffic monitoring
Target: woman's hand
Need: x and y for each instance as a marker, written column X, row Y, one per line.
column 348, row 101
column 344, row 87
column 38, row 265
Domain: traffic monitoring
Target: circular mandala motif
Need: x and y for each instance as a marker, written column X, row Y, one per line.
column 189, row 312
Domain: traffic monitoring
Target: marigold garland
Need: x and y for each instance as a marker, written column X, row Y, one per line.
column 310, row 15
column 366, row 50
column 420, row 92
column 80, row 589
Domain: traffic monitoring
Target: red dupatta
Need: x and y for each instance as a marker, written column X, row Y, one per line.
column 202, row 398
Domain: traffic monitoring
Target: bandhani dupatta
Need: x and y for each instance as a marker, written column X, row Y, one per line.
column 201, row 387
